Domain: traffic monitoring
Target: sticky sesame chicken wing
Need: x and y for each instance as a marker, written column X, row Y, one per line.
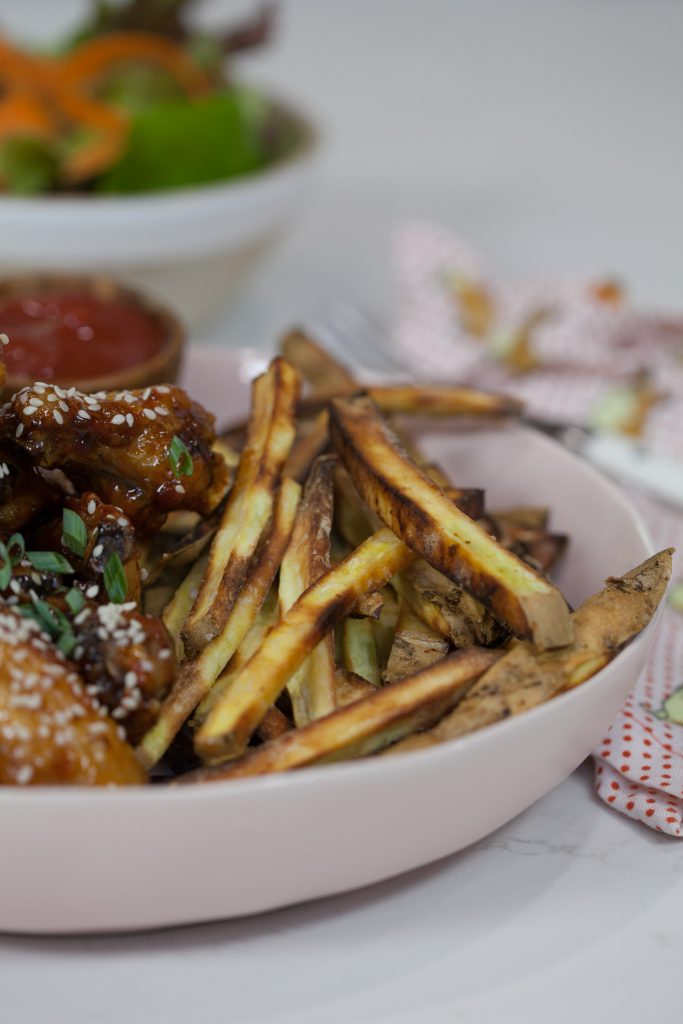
column 51, row 731
column 146, row 452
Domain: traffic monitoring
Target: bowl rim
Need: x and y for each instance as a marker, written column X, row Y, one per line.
column 104, row 287
column 309, row 139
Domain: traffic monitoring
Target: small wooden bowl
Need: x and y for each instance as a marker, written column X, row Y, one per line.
column 161, row 368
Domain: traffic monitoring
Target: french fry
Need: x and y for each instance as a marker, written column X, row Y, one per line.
column 446, row 607
column 442, row 401
column 178, row 608
column 371, row 605
column 196, row 677
column 522, row 517
column 415, row 646
column 350, row 687
column 385, row 626
column 525, row 677
column 359, row 652
column 325, row 375
column 311, row 687
column 408, row 502
column 231, row 722
column 306, row 449
column 366, row 725
column 250, row 503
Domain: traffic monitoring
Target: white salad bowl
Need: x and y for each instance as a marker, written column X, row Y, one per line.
column 191, row 248
column 107, row 860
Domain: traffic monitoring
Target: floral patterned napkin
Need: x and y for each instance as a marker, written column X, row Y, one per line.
column 573, row 350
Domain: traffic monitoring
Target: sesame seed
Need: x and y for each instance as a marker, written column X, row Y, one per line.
column 145, row 394
column 4, row 340
column 149, row 413
column 180, row 489
column 63, row 406
column 118, row 419
column 52, row 397
column 163, row 390
column 24, row 774
column 159, row 409
column 19, row 431
column 92, row 591
column 97, row 550
column 130, row 419
column 58, row 417
column 36, row 402
column 92, row 507
column 130, row 680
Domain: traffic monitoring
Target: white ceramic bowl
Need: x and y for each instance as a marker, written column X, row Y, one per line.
column 86, row 860
column 191, row 247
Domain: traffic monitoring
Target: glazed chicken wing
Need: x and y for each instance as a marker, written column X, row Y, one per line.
column 123, row 446
column 51, row 731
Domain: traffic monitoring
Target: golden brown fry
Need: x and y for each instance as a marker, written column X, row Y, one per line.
column 415, row 646
column 522, row 517
column 311, row 687
column 431, row 524
column 178, row 608
column 250, row 503
column 442, row 401
column 325, row 375
column 359, row 652
column 351, row 688
column 273, row 724
column 231, row 722
column 366, row 725
column 196, row 677
column 446, row 607
column 308, row 446
column 525, row 677
column 371, row 605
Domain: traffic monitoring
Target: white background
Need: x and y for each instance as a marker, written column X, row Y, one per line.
column 549, row 134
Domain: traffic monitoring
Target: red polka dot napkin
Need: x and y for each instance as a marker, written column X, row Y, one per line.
column 587, row 358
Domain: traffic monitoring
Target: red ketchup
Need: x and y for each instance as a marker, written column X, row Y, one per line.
column 72, row 336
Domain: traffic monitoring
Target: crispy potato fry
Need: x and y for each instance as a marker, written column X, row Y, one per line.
column 178, row 608
column 366, row 725
column 325, row 375
column 525, row 677
column 311, row 687
column 231, row 722
column 196, row 677
column 432, row 525
column 522, row 517
column 415, row 646
column 250, row 503
column 351, row 688
column 446, row 607
column 371, row 605
column 442, row 401
column 273, row 724
column 308, row 446
column 359, row 652
column 385, row 626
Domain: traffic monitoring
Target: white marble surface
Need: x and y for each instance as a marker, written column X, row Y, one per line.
column 548, row 134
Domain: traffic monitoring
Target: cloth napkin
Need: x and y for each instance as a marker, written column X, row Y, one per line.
column 572, row 350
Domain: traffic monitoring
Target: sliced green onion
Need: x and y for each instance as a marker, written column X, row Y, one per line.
column 75, row 600
column 5, row 567
column 16, row 548
column 180, row 458
column 49, row 561
column 74, row 532
column 115, row 581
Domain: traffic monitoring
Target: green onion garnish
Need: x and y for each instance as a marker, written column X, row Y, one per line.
column 75, row 600
column 5, row 567
column 49, row 561
column 115, row 581
column 74, row 532
column 180, row 458
column 16, row 548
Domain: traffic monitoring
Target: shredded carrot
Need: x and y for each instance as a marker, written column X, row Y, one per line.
column 23, row 114
column 93, row 59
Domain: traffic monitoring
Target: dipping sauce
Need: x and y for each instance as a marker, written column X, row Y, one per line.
column 74, row 336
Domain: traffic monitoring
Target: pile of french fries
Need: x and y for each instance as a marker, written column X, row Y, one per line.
column 348, row 599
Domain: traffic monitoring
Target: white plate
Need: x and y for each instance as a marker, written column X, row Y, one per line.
column 89, row 860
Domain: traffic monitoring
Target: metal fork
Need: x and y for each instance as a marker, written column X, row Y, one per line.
column 357, row 340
